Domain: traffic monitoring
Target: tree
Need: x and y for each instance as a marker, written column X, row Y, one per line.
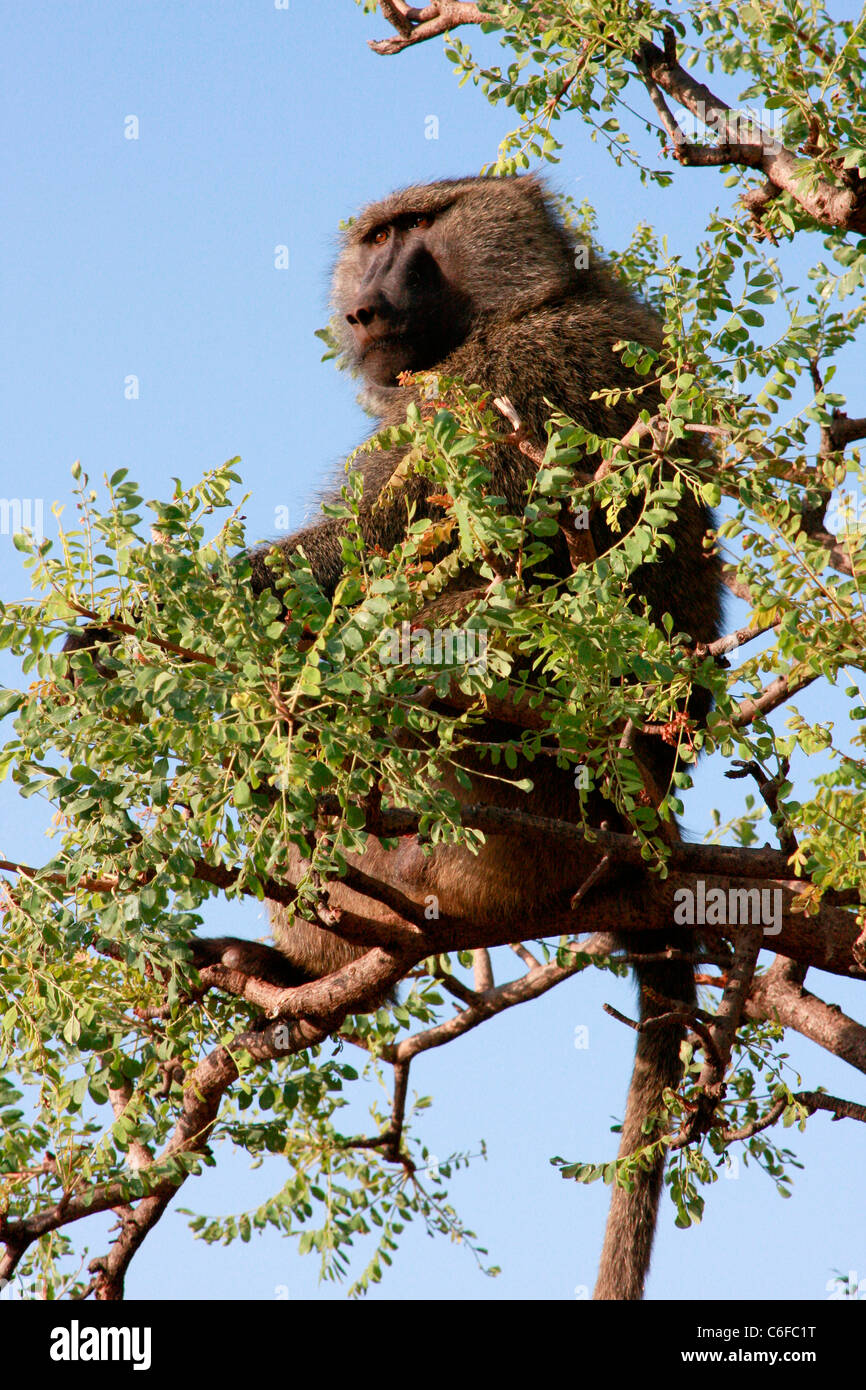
column 165, row 783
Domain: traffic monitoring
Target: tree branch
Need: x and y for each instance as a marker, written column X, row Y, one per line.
column 745, row 143
column 773, row 695
column 810, row 1100
column 416, row 25
column 776, row 999
column 722, row 1031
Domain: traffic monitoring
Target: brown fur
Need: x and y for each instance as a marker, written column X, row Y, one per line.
column 518, row 318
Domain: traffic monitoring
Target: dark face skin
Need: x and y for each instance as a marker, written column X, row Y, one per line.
column 407, row 313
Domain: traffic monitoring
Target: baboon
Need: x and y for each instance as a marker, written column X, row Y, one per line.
column 478, row 279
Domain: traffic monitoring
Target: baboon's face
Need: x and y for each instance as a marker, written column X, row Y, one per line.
column 402, row 301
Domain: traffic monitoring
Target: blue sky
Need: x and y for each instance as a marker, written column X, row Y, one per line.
column 154, row 257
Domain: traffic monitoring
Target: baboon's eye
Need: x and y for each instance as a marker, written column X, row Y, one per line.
column 419, row 220
column 381, row 236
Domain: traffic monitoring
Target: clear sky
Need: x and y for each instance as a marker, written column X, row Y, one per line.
column 154, row 257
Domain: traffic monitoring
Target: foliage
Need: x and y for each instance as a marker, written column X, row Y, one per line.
column 186, row 753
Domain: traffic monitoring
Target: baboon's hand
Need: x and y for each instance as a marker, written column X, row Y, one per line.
column 251, row 958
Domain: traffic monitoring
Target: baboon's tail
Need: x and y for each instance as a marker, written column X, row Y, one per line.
column 631, row 1222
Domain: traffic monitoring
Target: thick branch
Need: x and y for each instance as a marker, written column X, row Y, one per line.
column 844, row 431
column 135, row 1225
column 775, row 998
column 624, row 848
